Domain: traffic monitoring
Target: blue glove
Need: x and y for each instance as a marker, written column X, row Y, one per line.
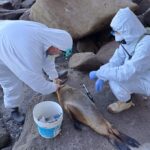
column 92, row 75
column 99, row 85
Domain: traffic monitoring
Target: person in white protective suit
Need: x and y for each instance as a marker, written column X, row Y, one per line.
column 27, row 49
column 128, row 70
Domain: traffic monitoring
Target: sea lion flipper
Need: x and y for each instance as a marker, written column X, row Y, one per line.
column 122, row 141
column 118, row 144
column 129, row 140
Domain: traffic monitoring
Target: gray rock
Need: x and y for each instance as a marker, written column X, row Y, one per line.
column 4, row 136
column 11, row 14
column 89, row 61
column 145, row 18
column 27, row 3
column 87, row 45
column 16, row 4
column 84, row 61
column 3, row 2
column 106, row 51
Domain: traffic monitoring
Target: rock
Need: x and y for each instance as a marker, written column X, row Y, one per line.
column 16, row 4
column 84, row 61
column 80, row 18
column 145, row 18
column 143, row 6
column 30, row 133
column 6, row 4
column 27, row 3
column 4, row 136
column 87, row 45
column 71, row 139
column 106, row 51
column 25, row 15
column 11, row 14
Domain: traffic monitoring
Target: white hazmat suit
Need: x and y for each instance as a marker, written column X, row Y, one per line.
column 127, row 76
column 23, row 46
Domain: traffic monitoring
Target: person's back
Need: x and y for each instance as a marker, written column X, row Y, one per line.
column 23, row 51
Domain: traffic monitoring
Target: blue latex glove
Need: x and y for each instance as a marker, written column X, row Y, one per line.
column 92, row 75
column 99, row 85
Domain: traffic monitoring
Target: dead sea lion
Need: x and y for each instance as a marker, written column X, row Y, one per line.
column 80, row 108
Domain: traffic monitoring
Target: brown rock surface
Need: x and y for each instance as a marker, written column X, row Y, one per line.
column 84, row 61
column 80, row 18
column 134, row 122
column 106, row 51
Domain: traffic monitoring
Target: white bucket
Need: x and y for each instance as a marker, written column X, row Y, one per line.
column 48, row 109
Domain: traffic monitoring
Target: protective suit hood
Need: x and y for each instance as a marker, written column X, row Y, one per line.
column 127, row 24
column 57, row 38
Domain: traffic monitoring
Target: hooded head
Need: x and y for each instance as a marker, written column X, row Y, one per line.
column 127, row 26
column 57, row 38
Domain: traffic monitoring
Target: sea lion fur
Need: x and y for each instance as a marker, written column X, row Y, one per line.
column 82, row 109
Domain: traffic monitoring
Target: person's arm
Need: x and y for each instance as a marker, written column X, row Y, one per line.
column 116, row 60
column 38, row 83
column 139, row 63
column 49, row 68
column 118, row 57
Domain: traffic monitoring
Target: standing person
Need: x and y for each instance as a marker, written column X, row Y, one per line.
column 128, row 70
column 26, row 50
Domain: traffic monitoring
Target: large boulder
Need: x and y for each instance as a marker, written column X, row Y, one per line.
column 27, row 3
column 87, row 45
column 106, row 51
column 88, row 61
column 11, row 14
column 84, row 61
column 79, row 17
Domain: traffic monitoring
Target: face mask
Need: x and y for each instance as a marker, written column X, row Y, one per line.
column 118, row 37
column 67, row 53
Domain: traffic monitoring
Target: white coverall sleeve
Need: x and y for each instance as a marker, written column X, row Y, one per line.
column 49, row 68
column 139, row 63
column 118, row 57
column 38, row 83
column 116, row 60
